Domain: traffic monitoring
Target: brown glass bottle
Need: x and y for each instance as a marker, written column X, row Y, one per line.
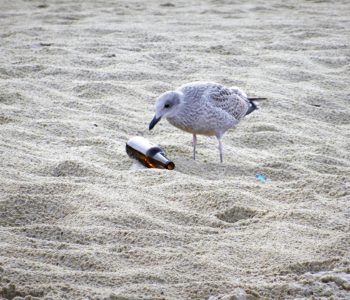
column 150, row 155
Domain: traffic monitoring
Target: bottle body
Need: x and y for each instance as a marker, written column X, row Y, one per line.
column 150, row 155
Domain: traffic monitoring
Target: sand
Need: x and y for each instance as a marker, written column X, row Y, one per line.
column 79, row 221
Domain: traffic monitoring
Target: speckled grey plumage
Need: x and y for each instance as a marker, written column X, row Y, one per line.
column 205, row 108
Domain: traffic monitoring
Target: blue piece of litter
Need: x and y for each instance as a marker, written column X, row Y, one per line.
column 262, row 177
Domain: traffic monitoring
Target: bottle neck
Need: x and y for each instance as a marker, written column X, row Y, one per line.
column 166, row 163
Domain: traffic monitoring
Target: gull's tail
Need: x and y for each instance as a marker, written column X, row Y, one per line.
column 253, row 105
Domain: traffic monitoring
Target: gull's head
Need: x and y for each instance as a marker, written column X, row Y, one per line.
column 167, row 106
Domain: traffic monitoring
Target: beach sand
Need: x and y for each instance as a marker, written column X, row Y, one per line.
column 79, row 221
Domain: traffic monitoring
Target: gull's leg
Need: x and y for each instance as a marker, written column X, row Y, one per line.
column 220, row 149
column 194, row 145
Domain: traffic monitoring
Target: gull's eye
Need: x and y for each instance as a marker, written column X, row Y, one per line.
column 167, row 105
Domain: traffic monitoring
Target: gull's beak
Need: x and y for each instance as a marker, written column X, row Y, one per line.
column 154, row 121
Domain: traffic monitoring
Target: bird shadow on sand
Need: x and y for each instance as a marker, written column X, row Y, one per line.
column 211, row 170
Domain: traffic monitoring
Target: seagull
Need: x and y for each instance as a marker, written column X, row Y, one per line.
column 204, row 108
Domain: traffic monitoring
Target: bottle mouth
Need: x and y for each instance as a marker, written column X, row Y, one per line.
column 170, row 166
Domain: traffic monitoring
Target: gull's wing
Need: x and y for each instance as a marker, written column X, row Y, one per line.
column 232, row 100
